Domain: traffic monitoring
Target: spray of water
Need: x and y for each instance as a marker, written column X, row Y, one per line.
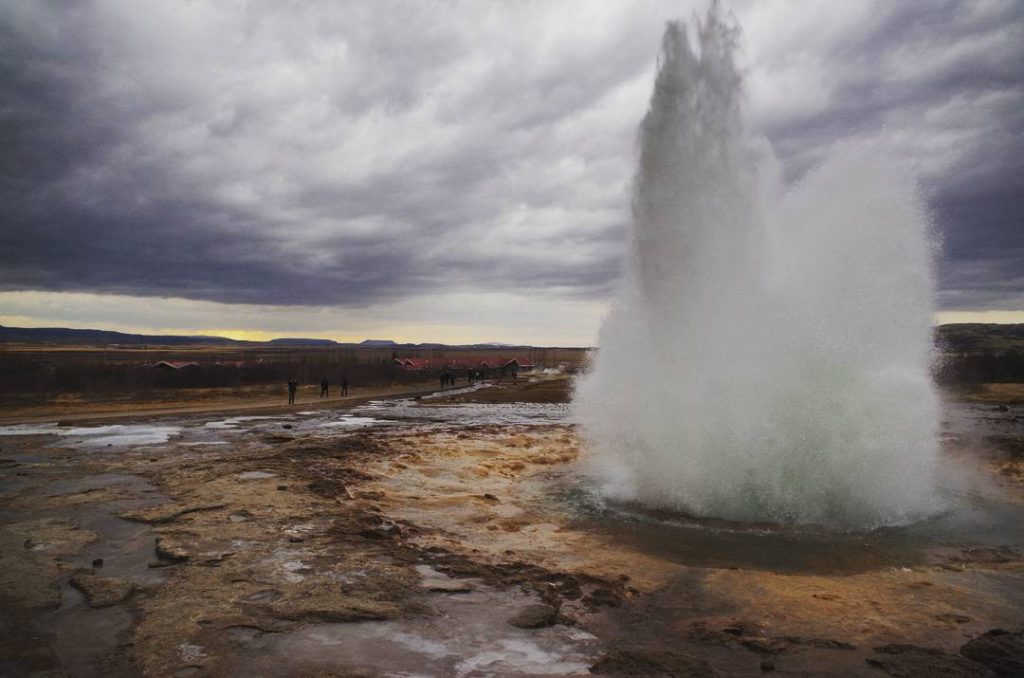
column 767, row 356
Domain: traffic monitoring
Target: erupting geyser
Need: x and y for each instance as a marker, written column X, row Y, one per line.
column 767, row 356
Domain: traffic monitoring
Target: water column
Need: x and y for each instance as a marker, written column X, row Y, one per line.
column 767, row 354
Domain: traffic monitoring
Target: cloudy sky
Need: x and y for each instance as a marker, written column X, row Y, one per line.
column 447, row 171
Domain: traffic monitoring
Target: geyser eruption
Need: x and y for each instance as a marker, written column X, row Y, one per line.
column 767, row 356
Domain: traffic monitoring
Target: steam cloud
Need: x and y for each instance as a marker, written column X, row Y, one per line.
column 767, row 356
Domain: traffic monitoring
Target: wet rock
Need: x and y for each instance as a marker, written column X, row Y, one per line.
column 640, row 661
column 101, row 591
column 952, row 618
column 28, row 565
column 287, row 426
column 369, row 526
column 97, row 562
column 282, row 488
column 1001, row 651
column 212, row 558
column 170, row 550
column 534, row 616
column 332, row 608
column 166, row 512
column 603, row 596
column 821, row 643
column 912, row 661
column 447, row 586
column 330, row 488
column 761, row 645
column 767, row 665
column 264, row 596
column 243, row 635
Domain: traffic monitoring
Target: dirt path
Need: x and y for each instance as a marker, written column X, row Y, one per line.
column 100, row 412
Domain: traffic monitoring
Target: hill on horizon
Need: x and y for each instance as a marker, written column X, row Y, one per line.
column 65, row 336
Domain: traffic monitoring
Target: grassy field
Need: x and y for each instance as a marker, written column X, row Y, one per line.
column 78, row 380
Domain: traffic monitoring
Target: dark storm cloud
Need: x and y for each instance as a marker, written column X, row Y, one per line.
column 348, row 153
column 288, row 156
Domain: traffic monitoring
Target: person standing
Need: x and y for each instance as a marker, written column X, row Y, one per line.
column 344, row 387
column 292, row 387
column 324, row 388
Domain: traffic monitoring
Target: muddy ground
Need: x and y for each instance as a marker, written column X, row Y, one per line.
column 313, row 544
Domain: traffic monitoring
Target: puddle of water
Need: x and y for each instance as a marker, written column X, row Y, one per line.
column 125, row 547
column 233, row 422
column 468, row 636
column 29, row 429
column 469, row 413
column 122, row 435
column 114, row 435
column 83, row 636
column 352, row 421
column 457, row 391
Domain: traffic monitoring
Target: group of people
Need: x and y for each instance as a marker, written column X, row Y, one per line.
column 448, row 378
column 325, row 389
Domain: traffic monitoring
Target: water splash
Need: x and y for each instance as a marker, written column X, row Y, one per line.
column 767, row 356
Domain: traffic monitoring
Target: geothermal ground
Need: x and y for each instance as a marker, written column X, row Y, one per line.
column 454, row 535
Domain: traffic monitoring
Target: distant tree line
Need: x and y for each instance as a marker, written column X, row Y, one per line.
column 962, row 369
column 34, row 379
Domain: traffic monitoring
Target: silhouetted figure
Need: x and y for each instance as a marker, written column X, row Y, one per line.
column 325, row 388
column 344, row 387
column 469, row 376
column 292, row 387
column 444, row 379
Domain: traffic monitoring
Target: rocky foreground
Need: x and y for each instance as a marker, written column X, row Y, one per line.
column 284, row 548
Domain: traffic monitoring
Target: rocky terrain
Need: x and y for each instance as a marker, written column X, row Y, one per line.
column 323, row 545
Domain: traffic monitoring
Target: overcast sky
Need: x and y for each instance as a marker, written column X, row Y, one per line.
column 447, row 171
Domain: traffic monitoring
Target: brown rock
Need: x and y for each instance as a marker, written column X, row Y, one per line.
column 534, row 616
column 912, row 661
column 170, row 550
column 338, row 608
column 1001, row 651
column 640, row 661
column 101, row 591
column 167, row 512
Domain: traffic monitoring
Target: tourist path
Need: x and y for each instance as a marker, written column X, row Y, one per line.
column 123, row 412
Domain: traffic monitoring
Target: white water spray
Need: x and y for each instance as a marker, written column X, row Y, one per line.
column 767, row 356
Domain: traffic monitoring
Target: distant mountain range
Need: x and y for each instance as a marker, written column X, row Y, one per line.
column 70, row 337
column 954, row 338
